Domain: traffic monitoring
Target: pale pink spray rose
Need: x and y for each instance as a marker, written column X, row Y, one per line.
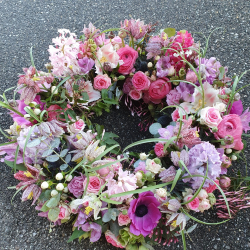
column 193, row 205
column 102, row 82
column 225, row 182
column 210, row 116
column 64, row 212
column 202, row 194
column 204, row 205
column 140, row 81
column 94, row 185
column 123, row 219
column 76, row 127
column 112, row 239
column 135, row 94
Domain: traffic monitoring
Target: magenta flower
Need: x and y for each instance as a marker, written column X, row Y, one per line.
column 144, row 214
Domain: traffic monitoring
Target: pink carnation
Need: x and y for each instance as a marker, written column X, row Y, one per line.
column 140, row 81
column 173, row 97
column 94, row 185
column 211, row 187
column 102, row 82
column 128, row 55
column 159, row 149
column 135, row 94
column 123, row 219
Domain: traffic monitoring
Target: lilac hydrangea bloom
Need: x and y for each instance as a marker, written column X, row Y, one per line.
column 163, row 65
column 199, row 156
column 86, row 64
column 177, row 156
column 168, row 175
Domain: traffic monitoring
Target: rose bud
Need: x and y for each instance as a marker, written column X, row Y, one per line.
column 225, row 182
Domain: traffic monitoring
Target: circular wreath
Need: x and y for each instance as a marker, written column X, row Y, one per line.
column 76, row 172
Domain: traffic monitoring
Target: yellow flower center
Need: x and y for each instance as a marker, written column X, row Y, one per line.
column 30, row 196
column 78, row 160
column 28, row 174
column 197, row 134
column 103, row 59
column 165, row 37
column 140, row 29
column 79, row 137
column 174, row 224
column 166, row 204
column 71, row 66
column 35, row 79
column 88, row 210
column 179, row 154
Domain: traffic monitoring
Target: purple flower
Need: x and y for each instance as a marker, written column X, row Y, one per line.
column 237, row 108
column 86, row 64
column 180, row 156
column 186, row 90
column 141, row 167
column 166, row 133
column 202, row 156
column 173, row 97
column 163, row 65
column 245, row 119
column 76, row 185
column 96, row 230
column 168, row 175
column 32, row 191
column 144, row 214
column 82, row 217
column 153, row 47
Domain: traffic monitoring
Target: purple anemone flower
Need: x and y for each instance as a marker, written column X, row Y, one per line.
column 144, row 214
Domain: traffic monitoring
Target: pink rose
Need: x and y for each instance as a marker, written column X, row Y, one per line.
column 135, row 95
column 159, row 88
column 226, row 161
column 231, row 125
column 173, row 97
column 204, row 205
column 159, row 149
column 140, row 81
column 76, row 185
column 193, row 205
column 123, row 219
column 102, row 82
column 76, row 127
column 210, row 116
column 64, row 212
column 95, row 184
column 128, row 55
column 103, row 172
column 110, row 237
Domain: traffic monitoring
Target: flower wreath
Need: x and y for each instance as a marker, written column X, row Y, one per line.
column 76, row 172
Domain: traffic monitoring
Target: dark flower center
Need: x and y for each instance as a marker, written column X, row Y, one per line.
column 141, row 211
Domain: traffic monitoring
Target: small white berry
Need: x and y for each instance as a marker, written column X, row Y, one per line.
column 53, row 90
column 157, row 58
column 27, row 116
column 229, row 151
column 59, row 187
column 234, row 158
column 54, row 192
column 138, row 176
column 44, row 185
column 150, row 65
column 143, row 157
column 68, row 177
column 37, row 111
column 59, row 176
column 66, row 190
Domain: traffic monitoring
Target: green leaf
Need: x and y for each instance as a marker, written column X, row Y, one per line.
column 44, row 207
column 20, row 166
column 53, row 213
column 47, row 152
column 64, row 152
column 34, row 143
column 72, row 113
column 76, row 234
column 63, row 167
column 60, row 84
column 16, row 154
column 114, row 228
column 107, row 216
column 176, row 178
column 111, row 101
column 55, row 143
column 170, row 31
column 153, row 129
column 104, row 93
column 53, row 202
column 85, row 96
column 183, row 240
column 22, row 187
column 222, row 72
column 110, row 201
column 52, row 158
column 75, row 87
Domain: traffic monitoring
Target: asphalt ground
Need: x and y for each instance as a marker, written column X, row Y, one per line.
column 34, row 23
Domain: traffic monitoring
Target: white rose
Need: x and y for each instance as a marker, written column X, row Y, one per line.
column 204, row 205
column 152, row 166
column 210, row 116
column 138, row 176
column 76, row 127
column 161, row 192
column 202, row 194
column 143, row 157
column 220, row 106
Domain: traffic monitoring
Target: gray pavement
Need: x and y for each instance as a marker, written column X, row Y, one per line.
column 27, row 23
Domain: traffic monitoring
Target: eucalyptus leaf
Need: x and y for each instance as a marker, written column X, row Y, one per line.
column 55, row 143
column 47, row 152
column 64, row 152
column 53, row 213
column 114, row 227
column 52, row 158
column 153, row 129
column 34, row 143
column 68, row 158
column 63, row 167
column 107, row 216
column 53, row 202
